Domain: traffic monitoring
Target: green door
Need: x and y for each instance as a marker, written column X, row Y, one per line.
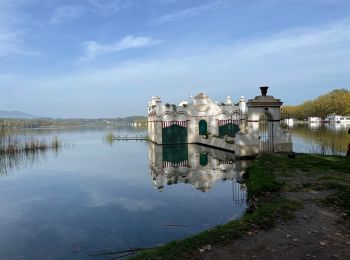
column 203, row 129
column 228, row 129
column 174, row 134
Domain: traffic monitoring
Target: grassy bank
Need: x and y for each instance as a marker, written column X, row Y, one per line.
column 269, row 177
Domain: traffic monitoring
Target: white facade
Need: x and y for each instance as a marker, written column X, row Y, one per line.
column 189, row 114
column 251, row 136
column 338, row 119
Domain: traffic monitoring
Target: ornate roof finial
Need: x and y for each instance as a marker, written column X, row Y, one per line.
column 263, row 90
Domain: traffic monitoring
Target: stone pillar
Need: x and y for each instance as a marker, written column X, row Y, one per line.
column 158, row 123
column 242, row 105
column 249, row 143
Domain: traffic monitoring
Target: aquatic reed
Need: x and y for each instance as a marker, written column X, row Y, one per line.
column 110, row 137
column 10, row 144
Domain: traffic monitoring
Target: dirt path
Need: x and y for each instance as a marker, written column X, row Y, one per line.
column 316, row 232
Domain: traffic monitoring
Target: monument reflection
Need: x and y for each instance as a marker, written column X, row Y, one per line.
column 196, row 165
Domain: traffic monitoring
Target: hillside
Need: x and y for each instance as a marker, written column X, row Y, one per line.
column 15, row 114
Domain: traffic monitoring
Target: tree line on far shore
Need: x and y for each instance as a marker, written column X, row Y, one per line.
column 50, row 122
column 334, row 102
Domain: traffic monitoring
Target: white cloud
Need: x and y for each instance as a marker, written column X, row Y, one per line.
column 11, row 34
column 94, row 49
column 9, row 37
column 306, row 60
column 297, row 54
column 67, row 13
column 188, row 12
column 9, row 43
column 108, row 6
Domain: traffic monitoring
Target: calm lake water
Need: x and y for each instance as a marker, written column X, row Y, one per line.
column 94, row 196
column 321, row 138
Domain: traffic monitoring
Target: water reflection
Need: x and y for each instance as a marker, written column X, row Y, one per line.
column 321, row 138
column 337, row 127
column 89, row 198
column 197, row 165
column 314, row 126
column 14, row 161
column 348, row 151
column 72, row 134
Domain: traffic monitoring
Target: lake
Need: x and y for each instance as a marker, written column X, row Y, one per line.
column 321, row 138
column 96, row 196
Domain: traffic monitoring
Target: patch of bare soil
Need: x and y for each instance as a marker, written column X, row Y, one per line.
column 316, row 232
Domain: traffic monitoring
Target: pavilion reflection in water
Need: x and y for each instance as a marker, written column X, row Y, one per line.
column 196, row 165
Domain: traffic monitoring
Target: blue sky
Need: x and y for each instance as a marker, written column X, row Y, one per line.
column 106, row 58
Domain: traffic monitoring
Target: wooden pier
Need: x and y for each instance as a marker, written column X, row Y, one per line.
column 127, row 138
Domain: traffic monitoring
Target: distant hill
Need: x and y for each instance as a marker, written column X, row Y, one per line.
column 15, row 114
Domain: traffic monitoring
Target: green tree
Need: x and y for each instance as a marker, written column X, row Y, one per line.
column 336, row 101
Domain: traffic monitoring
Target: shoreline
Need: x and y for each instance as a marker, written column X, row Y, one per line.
column 282, row 193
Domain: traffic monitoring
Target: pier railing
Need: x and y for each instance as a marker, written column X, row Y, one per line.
column 127, row 137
